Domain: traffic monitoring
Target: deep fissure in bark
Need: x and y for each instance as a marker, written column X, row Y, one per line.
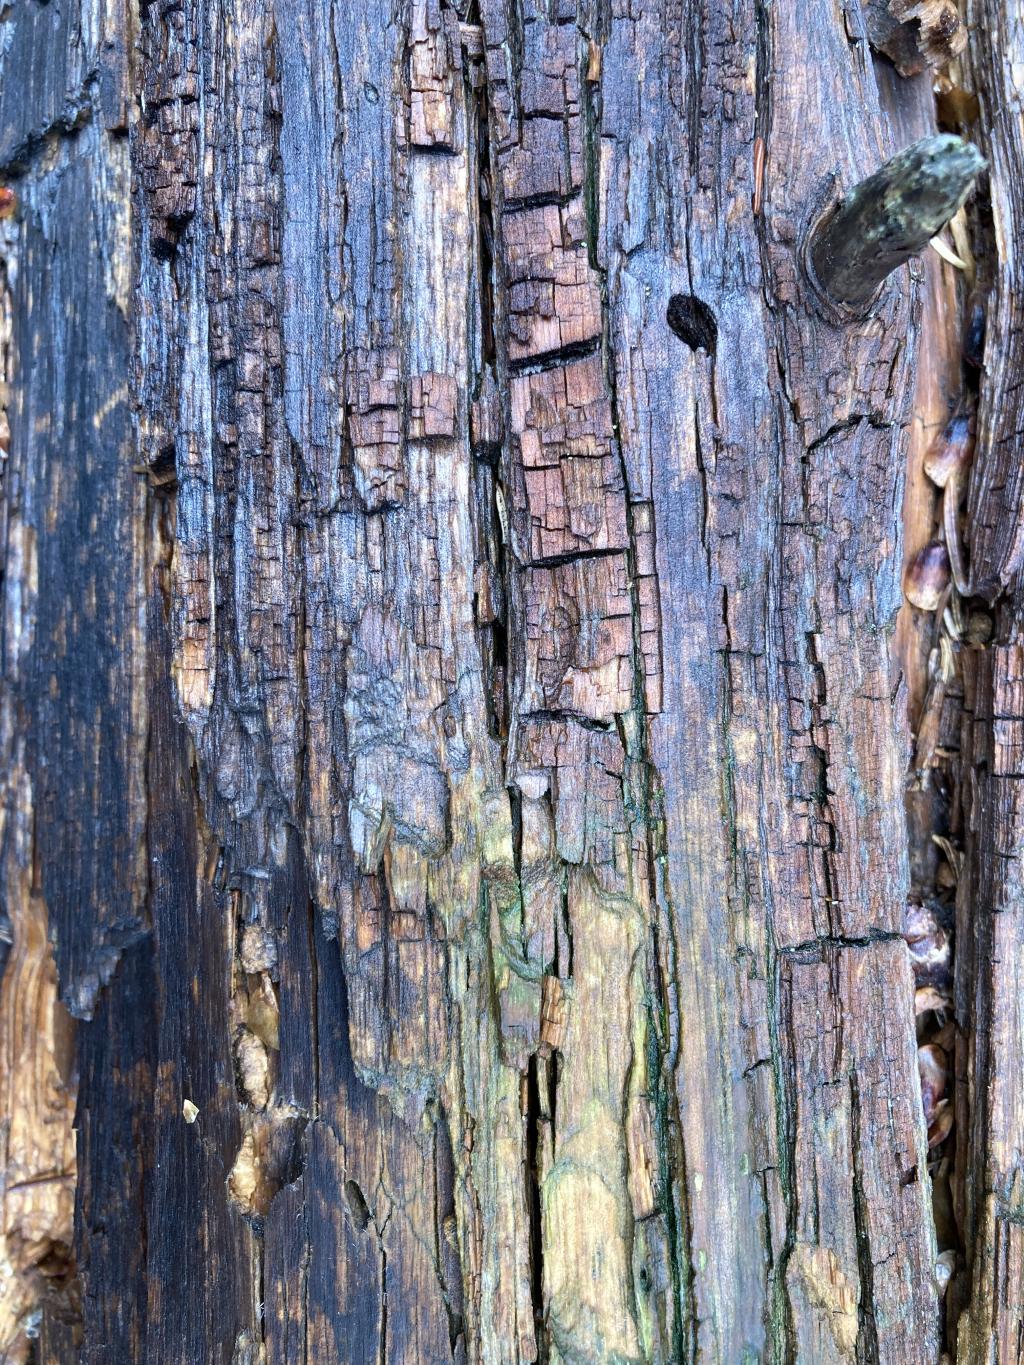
column 867, row 1333
column 533, row 1203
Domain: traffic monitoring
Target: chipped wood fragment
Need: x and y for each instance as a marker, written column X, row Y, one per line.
column 431, row 76
column 572, row 497
column 578, row 629
column 941, row 31
column 947, row 254
column 258, row 950
column 759, row 161
column 553, row 1007
column 554, row 296
column 433, row 407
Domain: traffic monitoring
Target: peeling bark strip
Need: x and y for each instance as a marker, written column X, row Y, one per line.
column 451, row 728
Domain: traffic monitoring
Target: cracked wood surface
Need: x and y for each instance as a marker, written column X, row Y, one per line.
column 988, row 1296
column 453, row 727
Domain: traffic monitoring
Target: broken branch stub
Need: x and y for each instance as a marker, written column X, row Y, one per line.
column 891, row 215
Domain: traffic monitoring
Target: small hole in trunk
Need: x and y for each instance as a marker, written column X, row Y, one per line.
column 693, row 322
column 357, row 1205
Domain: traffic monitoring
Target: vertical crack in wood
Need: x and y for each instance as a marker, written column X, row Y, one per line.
column 536, row 1231
column 867, row 1328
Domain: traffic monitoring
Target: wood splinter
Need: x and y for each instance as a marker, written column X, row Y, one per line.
column 891, row 216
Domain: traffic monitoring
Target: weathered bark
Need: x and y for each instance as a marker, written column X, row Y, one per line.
column 454, row 729
column 990, row 900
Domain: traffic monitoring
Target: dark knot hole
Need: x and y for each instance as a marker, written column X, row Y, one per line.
column 693, row 322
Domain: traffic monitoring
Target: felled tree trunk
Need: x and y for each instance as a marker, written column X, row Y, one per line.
column 455, row 732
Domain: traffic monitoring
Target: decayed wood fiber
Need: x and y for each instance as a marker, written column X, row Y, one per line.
column 463, row 741
column 988, row 1296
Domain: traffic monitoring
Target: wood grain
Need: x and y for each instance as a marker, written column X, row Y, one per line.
column 456, row 735
column 987, row 1296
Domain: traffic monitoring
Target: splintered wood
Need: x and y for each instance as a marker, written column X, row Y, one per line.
column 37, row 1143
column 450, row 713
